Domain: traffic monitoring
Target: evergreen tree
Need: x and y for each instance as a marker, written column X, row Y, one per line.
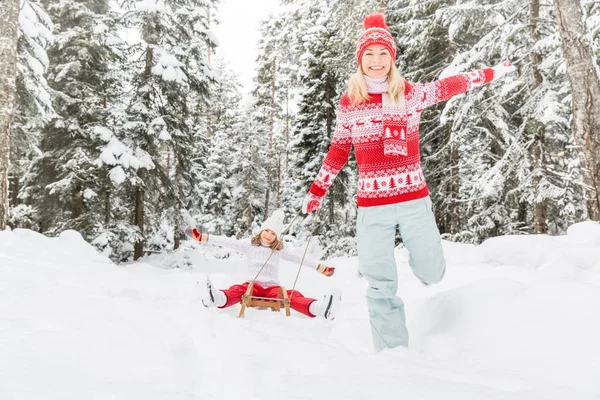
column 65, row 180
column 267, row 110
column 33, row 103
column 499, row 128
column 217, row 186
column 481, row 124
column 9, row 11
column 249, row 176
column 276, row 78
column 172, row 70
column 315, row 120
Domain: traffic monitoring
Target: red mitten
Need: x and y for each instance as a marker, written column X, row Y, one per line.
column 196, row 235
column 325, row 270
column 311, row 203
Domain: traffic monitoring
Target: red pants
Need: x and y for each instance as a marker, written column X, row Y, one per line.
column 297, row 301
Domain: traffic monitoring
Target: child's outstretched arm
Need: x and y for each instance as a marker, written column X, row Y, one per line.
column 243, row 246
column 308, row 261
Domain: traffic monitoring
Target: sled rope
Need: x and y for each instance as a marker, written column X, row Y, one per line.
column 312, row 229
column 303, row 255
column 273, row 251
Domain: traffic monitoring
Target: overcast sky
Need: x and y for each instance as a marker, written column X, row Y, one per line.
column 238, row 34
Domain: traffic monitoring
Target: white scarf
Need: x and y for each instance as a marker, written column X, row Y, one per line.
column 394, row 118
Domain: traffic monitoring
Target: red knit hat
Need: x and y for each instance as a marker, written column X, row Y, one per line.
column 376, row 32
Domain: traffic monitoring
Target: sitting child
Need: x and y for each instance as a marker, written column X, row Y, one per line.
column 267, row 244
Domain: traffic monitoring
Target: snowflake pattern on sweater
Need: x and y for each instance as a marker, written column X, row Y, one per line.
column 257, row 255
column 388, row 179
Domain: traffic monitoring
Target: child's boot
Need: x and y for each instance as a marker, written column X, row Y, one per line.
column 328, row 307
column 212, row 297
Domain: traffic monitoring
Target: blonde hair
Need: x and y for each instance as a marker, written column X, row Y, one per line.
column 275, row 246
column 357, row 86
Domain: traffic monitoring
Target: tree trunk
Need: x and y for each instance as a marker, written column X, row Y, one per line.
column 454, row 206
column 9, row 28
column 538, row 148
column 178, row 228
column 278, row 200
column 270, row 146
column 250, row 219
column 585, row 89
column 138, row 247
column 287, row 128
column 453, row 219
column 13, row 188
column 77, row 204
column 106, row 208
column 329, row 126
column 209, row 23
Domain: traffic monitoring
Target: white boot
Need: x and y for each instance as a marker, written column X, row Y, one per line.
column 328, row 307
column 210, row 296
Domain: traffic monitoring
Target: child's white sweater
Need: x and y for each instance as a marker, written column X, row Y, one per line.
column 257, row 255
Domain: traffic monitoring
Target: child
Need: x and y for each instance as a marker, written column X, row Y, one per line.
column 258, row 249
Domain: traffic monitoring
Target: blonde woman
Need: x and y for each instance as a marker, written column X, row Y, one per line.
column 380, row 116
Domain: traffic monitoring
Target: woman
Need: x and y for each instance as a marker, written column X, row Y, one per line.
column 380, row 116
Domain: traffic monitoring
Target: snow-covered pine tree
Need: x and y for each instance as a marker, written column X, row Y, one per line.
column 584, row 80
column 33, row 103
column 65, row 184
column 316, row 116
column 9, row 11
column 485, row 128
column 481, row 131
column 267, row 108
column 194, row 43
column 489, row 126
column 555, row 188
column 171, row 69
column 217, row 184
column 273, row 94
column 284, row 189
column 249, row 179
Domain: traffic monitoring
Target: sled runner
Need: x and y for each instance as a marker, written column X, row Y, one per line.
column 262, row 303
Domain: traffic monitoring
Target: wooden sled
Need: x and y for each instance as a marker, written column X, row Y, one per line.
column 262, row 303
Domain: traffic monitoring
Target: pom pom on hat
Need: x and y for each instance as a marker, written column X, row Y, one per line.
column 375, row 20
column 274, row 223
column 376, row 32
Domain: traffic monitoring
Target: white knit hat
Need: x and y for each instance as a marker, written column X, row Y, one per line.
column 274, row 222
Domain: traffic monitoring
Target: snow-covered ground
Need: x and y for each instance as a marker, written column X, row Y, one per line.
column 514, row 318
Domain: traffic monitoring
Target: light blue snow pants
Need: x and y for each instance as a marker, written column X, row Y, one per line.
column 376, row 231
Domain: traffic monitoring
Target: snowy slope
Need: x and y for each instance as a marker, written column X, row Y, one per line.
column 514, row 318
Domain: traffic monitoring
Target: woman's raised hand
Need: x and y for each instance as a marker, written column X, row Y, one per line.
column 503, row 68
column 311, row 203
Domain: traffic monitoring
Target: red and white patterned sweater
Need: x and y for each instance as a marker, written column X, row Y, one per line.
column 387, row 179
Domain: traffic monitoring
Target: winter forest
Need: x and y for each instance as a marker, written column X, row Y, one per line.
column 118, row 120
